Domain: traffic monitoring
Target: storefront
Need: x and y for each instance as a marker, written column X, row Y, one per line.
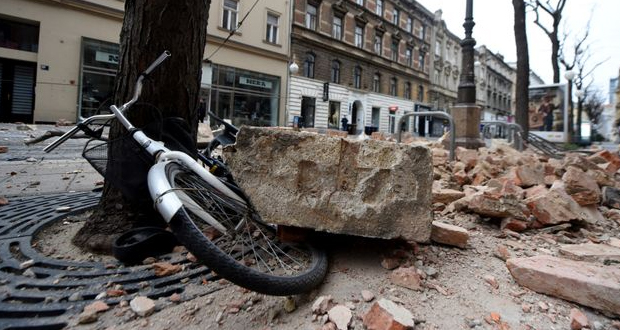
column 245, row 97
column 97, row 72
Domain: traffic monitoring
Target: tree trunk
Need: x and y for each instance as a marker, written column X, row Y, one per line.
column 555, row 48
column 172, row 90
column 523, row 67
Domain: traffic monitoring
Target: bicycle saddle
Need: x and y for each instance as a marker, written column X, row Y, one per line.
column 139, row 243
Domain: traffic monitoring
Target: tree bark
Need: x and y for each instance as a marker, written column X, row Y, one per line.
column 172, row 90
column 523, row 67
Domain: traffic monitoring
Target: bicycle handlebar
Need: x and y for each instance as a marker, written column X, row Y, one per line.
column 116, row 112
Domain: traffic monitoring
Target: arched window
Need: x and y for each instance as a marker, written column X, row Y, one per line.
column 393, row 86
column 357, row 77
column 336, row 71
column 309, row 65
column 407, row 91
column 376, row 83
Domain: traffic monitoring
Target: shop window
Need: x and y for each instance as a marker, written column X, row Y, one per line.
column 335, row 76
column 337, row 27
column 18, row 35
column 311, row 13
column 307, row 111
column 273, row 21
column 309, row 65
column 333, row 120
column 98, row 71
column 375, row 117
column 357, row 77
column 229, row 15
column 245, row 97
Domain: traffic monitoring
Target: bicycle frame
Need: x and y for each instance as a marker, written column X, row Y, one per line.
column 159, row 188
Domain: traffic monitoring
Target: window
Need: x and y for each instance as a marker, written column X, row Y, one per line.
column 309, row 65
column 378, row 43
column 409, row 56
column 407, row 91
column 337, row 28
column 18, row 35
column 409, row 26
column 394, row 49
column 376, row 83
column 307, row 111
column 420, row 93
column 392, row 122
column 423, row 32
column 375, row 117
column 336, row 71
column 272, row 28
column 438, row 48
column 393, row 88
column 379, row 9
column 229, row 15
column 421, row 57
column 311, row 11
column 333, row 121
column 357, row 77
column 359, row 36
column 98, row 68
column 396, row 16
column 360, row 2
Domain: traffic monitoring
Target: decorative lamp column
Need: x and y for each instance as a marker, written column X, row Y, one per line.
column 466, row 113
column 580, row 94
column 569, row 75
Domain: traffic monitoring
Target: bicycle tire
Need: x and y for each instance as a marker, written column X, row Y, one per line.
column 230, row 261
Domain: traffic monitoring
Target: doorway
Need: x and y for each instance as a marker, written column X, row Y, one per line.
column 357, row 118
column 17, row 91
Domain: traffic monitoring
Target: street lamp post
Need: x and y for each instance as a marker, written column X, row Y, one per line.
column 569, row 75
column 579, row 93
column 466, row 113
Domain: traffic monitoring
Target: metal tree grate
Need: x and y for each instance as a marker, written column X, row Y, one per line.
column 42, row 301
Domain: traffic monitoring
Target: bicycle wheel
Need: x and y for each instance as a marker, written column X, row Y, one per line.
column 230, row 237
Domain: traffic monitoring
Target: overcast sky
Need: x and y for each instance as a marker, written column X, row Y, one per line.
column 494, row 28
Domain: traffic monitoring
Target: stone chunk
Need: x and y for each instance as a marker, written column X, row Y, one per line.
column 407, row 277
column 592, row 285
column 611, row 197
column 581, row 187
column 554, row 207
column 591, row 252
column 143, row 306
column 578, row 320
column 386, row 315
column 321, row 305
column 358, row 187
column 341, row 316
column 529, row 175
column 450, row 235
column 447, row 196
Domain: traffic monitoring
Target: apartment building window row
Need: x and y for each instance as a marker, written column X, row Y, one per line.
column 230, row 15
column 273, row 21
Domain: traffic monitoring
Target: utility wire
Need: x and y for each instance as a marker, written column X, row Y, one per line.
column 232, row 32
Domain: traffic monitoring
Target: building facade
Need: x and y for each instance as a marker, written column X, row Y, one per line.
column 58, row 59
column 446, row 70
column 495, row 85
column 366, row 60
column 245, row 74
column 52, row 67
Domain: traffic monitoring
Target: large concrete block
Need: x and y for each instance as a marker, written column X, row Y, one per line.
column 359, row 187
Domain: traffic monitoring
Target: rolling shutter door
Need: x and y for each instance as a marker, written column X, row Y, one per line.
column 23, row 90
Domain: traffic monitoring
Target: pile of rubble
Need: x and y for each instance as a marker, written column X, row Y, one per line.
column 574, row 201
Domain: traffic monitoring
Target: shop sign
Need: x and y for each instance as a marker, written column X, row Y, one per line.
column 255, row 82
column 106, row 57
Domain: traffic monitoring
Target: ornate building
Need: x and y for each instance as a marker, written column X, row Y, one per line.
column 494, row 85
column 368, row 60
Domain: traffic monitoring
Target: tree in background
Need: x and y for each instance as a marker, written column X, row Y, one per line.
column 523, row 67
column 149, row 28
column 555, row 13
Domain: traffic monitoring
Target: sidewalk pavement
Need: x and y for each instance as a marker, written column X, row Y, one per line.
column 27, row 170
